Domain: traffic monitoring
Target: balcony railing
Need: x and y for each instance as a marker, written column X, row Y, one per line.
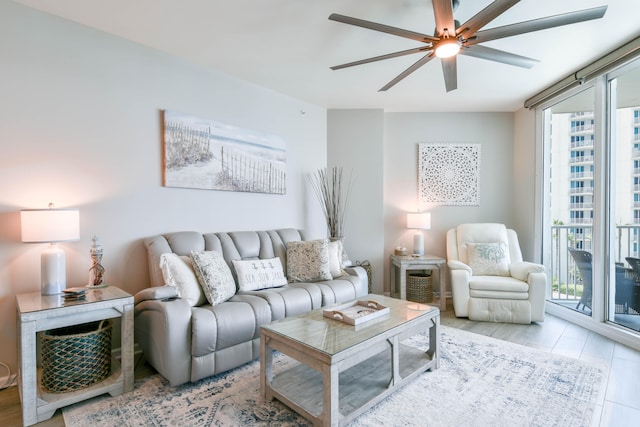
column 567, row 283
column 581, row 144
column 582, row 128
column 584, row 174
column 581, row 159
column 583, row 205
column 582, row 190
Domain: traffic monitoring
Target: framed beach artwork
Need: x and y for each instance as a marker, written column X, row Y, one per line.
column 206, row 154
column 449, row 174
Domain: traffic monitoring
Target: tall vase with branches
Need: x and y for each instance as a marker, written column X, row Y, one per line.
column 333, row 188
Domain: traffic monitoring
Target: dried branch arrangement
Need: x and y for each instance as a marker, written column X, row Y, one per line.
column 332, row 190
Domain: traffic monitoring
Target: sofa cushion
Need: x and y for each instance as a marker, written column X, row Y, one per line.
column 488, row 259
column 259, row 274
column 177, row 271
column 308, row 261
column 214, row 276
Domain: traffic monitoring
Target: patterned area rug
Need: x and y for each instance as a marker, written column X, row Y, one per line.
column 481, row 381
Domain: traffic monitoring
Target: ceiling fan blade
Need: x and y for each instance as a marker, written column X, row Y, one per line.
column 450, row 72
column 381, row 57
column 408, row 71
column 382, row 28
column 443, row 12
column 538, row 24
column 483, row 17
column 491, row 54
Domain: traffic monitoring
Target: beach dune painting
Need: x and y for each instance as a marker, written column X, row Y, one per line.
column 206, row 154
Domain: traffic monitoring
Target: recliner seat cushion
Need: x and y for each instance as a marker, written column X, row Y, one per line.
column 498, row 287
column 221, row 326
column 498, row 283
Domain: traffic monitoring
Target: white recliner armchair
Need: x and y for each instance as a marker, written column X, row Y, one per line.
column 489, row 279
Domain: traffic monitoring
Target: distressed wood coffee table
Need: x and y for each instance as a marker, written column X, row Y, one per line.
column 344, row 369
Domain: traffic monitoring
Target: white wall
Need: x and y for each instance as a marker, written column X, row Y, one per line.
column 80, row 126
column 398, row 171
column 403, row 132
column 355, row 142
column 524, row 183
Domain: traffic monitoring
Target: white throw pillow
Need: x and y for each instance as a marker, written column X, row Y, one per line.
column 259, row 273
column 308, row 261
column 335, row 258
column 177, row 271
column 214, row 276
column 488, row 259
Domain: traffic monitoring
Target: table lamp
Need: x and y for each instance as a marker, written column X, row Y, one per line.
column 419, row 221
column 51, row 226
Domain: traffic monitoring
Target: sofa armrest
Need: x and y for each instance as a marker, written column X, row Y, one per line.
column 156, row 293
column 458, row 265
column 361, row 273
column 163, row 331
column 521, row 269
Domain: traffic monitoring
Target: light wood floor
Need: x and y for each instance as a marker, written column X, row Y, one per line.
column 619, row 405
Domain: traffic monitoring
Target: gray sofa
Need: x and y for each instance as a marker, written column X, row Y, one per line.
column 187, row 343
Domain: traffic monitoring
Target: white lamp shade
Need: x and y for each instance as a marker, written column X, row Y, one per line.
column 420, row 220
column 49, row 225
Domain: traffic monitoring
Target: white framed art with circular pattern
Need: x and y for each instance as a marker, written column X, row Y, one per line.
column 449, row 173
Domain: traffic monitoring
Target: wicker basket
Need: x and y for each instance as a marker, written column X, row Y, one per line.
column 419, row 288
column 367, row 267
column 76, row 357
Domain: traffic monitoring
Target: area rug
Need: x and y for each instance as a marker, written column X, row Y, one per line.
column 481, row 381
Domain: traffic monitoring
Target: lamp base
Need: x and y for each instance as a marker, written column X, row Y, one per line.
column 53, row 278
column 418, row 244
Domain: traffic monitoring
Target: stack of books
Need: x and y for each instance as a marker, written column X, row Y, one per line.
column 74, row 294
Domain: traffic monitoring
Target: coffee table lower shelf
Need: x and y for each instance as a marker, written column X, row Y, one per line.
column 360, row 387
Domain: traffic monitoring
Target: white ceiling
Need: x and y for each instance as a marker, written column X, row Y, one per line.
column 289, row 45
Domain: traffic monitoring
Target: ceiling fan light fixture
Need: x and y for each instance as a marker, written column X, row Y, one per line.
column 447, row 48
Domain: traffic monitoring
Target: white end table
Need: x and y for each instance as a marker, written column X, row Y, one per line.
column 37, row 313
column 401, row 264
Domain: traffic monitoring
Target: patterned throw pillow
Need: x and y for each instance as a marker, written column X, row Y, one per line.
column 308, row 261
column 177, row 271
column 259, row 274
column 488, row 259
column 214, row 276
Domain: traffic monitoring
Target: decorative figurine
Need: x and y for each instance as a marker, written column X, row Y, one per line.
column 96, row 272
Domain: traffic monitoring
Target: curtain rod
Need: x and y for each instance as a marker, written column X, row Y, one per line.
column 608, row 62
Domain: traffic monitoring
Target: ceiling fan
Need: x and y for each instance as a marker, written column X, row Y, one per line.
column 452, row 39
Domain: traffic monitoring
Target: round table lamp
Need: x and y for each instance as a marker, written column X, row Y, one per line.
column 419, row 221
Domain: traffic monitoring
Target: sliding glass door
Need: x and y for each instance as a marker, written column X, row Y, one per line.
column 569, row 193
column 623, row 302
column 591, row 198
